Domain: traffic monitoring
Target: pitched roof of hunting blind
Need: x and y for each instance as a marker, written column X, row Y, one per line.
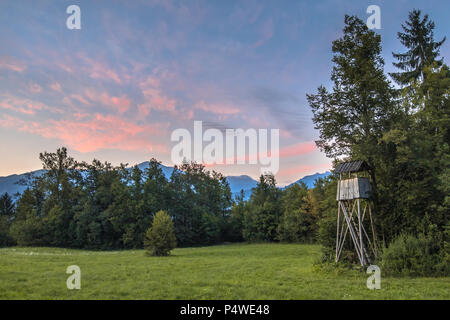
column 352, row 166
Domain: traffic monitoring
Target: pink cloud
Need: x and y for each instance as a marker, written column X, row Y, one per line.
column 65, row 67
column 298, row 149
column 24, row 110
column 154, row 98
column 302, row 170
column 121, row 104
column 98, row 70
column 285, row 152
column 9, row 122
column 56, row 86
column 35, row 88
column 11, row 64
column 295, row 171
column 286, row 134
column 99, row 132
column 80, row 98
column 25, row 106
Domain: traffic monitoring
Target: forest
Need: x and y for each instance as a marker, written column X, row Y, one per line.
column 400, row 127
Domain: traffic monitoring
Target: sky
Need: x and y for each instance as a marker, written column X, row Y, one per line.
column 137, row 70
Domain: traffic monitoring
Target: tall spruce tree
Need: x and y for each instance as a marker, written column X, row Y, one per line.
column 6, row 205
column 418, row 37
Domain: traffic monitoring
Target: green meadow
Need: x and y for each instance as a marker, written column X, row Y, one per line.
column 236, row 271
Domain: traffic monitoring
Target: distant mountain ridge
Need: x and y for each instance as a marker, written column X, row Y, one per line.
column 10, row 184
column 311, row 179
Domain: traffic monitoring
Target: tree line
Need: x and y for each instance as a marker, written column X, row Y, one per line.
column 99, row 206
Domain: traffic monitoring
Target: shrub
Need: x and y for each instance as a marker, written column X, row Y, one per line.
column 414, row 256
column 160, row 237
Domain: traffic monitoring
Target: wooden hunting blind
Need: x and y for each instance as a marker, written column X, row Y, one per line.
column 356, row 188
column 353, row 193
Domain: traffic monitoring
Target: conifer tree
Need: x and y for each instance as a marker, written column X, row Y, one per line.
column 160, row 237
column 6, row 205
column 418, row 37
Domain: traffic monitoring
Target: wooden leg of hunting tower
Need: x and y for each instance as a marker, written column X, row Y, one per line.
column 375, row 247
column 352, row 232
column 337, row 234
column 360, row 234
column 342, row 236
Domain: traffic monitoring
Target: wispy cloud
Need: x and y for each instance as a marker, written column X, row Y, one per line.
column 96, row 133
column 35, row 88
column 267, row 31
column 120, row 104
column 24, row 105
column 99, row 70
column 222, row 109
column 298, row 149
column 11, row 64
column 154, row 97
column 56, row 86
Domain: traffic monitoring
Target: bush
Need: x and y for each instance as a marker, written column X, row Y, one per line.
column 160, row 237
column 408, row 255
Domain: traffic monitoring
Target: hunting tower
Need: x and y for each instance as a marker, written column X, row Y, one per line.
column 353, row 193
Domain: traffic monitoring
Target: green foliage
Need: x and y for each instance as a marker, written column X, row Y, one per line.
column 5, row 236
column 234, row 223
column 6, row 215
column 27, row 227
column 418, row 37
column 98, row 206
column 29, row 231
column 6, row 205
column 263, row 211
column 299, row 220
column 160, row 237
column 359, row 109
column 402, row 135
column 199, row 204
column 409, row 255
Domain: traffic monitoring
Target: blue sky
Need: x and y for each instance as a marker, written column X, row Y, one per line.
column 137, row 70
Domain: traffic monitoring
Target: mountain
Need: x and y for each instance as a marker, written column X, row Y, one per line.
column 166, row 170
column 11, row 184
column 311, row 179
column 237, row 183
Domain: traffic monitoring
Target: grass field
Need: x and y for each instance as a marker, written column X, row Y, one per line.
column 238, row 271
